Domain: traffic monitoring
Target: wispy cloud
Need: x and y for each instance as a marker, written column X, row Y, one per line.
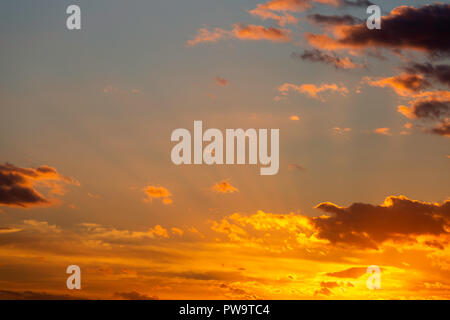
column 331, row 59
column 383, row 131
column 312, row 90
column 242, row 32
column 224, row 187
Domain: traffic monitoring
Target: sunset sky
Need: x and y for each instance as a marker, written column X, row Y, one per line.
column 86, row 176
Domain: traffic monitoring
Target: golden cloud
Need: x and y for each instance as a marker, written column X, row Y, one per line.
column 157, row 192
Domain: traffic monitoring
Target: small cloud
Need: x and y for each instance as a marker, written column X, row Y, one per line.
column 408, row 126
column 294, row 118
column 156, row 192
column 93, row 196
column 221, row 81
column 338, row 131
column 224, row 187
column 177, row 231
column 383, row 131
column 159, row 231
column 407, row 112
column 294, row 166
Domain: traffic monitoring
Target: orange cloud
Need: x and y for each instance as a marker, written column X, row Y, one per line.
column 312, row 90
column 403, row 85
column 224, row 187
column 253, row 32
column 294, row 5
column 204, row 35
column 242, row 32
column 262, row 12
column 287, row 5
column 221, row 81
column 294, row 118
column 404, row 110
column 383, row 131
column 154, row 192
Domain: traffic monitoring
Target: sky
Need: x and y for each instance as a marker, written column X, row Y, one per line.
column 86, row 176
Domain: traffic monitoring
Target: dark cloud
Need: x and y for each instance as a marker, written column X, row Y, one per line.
column 16, row 189
column 434, row 244
column 431, row 106
column 133, row 295
column 18, row 185
column 425, row 29
column 334, row 19
column 432, row 109
column 443, row 129
column 330, row 59
column 30, row 295
column 439, row 73
column 366, row 225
